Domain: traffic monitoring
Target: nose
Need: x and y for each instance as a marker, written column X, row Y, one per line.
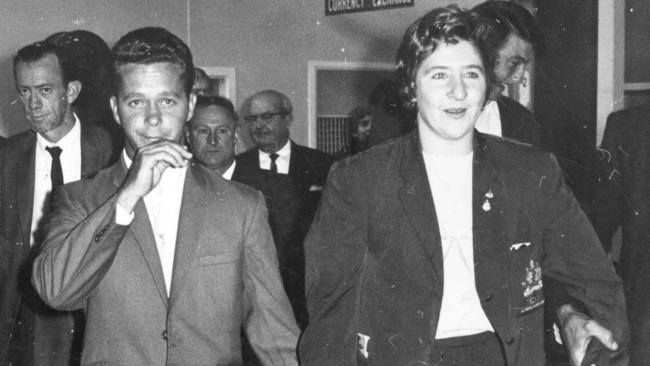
column 518, row 75
column 153, row 116
column 212, row 138
column 458, row 90
column 34, row 102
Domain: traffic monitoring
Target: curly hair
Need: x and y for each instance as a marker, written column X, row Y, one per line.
column 450, row 25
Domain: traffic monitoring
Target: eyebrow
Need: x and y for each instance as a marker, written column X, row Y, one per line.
column 464, row 67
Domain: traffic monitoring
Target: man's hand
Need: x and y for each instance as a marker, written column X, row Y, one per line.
column 578, row 329
column 148, row 166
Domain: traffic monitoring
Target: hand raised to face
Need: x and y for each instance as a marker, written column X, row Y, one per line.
column 148, row 166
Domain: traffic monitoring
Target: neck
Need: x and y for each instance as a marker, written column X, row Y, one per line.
column 58, row 133
column 433, row 144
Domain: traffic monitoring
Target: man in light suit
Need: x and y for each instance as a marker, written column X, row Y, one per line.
column 169, row 261
column 291, row 177
column 47, row 83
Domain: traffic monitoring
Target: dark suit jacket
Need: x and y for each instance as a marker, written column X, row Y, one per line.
column 623, row 200
column 375, row 267
column 56, row 335
column 517, row 122
column 225, row 276
column 292, row 201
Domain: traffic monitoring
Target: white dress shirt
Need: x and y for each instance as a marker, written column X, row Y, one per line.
column 163, row 205
column 70, row 158
column 489, row 121
column 231, row 169
column 450, row 179
column 282, row 162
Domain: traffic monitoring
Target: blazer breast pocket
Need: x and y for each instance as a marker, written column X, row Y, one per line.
column 221, row 258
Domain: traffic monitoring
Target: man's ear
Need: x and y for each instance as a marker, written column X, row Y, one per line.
column 191, row 104
column 187, row 133
column 116, row 116
column 74, row 89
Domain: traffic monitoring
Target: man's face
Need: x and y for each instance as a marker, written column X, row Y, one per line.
column 44, row 95
column 201, row 88
column 151, row 104
column 513, row 60
column 211, row 135
column 269, row 126
column 450, row 90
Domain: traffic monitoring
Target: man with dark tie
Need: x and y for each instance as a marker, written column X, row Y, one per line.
column 291, row 177
column 168, row 260
column 56, row 149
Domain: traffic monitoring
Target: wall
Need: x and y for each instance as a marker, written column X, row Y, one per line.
column 268, row 42
column 26, row 21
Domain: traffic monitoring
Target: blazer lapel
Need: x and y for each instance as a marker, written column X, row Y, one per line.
column 416, row 199
column 491, row 207
column 193, row 215
column 143, row 233
column 25, row 190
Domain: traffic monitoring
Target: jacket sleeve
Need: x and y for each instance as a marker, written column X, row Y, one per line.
column 268, row 319
column 575, row 258
column 77, row 253
column 334, row 251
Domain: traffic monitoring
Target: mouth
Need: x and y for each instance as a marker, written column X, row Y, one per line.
column 455, row 112
column 37, row 118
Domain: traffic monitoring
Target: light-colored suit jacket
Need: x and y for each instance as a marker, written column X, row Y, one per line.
column 225, row 276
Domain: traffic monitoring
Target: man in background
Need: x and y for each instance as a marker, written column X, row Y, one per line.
column 513, row 39
column 57, row 149
column 212, row 134
column 202, row 84
column 622, row 202
column 291, row 177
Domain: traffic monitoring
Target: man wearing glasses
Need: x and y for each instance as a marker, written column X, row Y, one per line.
column 291, row 177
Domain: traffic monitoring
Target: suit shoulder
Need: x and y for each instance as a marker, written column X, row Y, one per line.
column 385, row 154
column 511, row 150
column 17, row 144
column 316, row 157
column 630, row 119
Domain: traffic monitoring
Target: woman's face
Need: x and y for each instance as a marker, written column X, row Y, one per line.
column 450, row 90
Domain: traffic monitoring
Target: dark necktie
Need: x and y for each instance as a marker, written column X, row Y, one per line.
column 274, row 166
column 56, row 172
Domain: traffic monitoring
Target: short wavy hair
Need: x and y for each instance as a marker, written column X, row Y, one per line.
column 151, row 45
column 450, row 25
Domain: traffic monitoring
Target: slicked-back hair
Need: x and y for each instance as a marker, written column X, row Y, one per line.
column 450, row 25
column 152, row 45
column 36, row 51
column 501, row 18
column 217, row 101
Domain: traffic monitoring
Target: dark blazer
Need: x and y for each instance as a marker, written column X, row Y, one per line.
column 517, row 122
column 292, row 201
column 52, row 331
column 225, row 276
column 375, row 267
column 623, row 200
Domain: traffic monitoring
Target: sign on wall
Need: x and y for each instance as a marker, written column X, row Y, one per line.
column 333, row 7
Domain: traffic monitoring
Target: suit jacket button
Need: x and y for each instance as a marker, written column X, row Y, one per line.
column 510, row 341
column 489, row 297
column 164, row 334
column 97, row 238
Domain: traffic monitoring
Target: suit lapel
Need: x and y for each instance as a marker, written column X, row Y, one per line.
column 143, row 234
column 491, row 207
column 193, row 215
column 416, row 199
column 25, row 189
column 90, row 156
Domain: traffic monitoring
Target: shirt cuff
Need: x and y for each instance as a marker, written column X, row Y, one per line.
column 122, row 216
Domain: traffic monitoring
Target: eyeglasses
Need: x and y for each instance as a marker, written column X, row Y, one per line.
column 266, row 117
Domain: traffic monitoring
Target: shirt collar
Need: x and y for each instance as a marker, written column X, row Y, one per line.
column 69, row 142
column 283, row 153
